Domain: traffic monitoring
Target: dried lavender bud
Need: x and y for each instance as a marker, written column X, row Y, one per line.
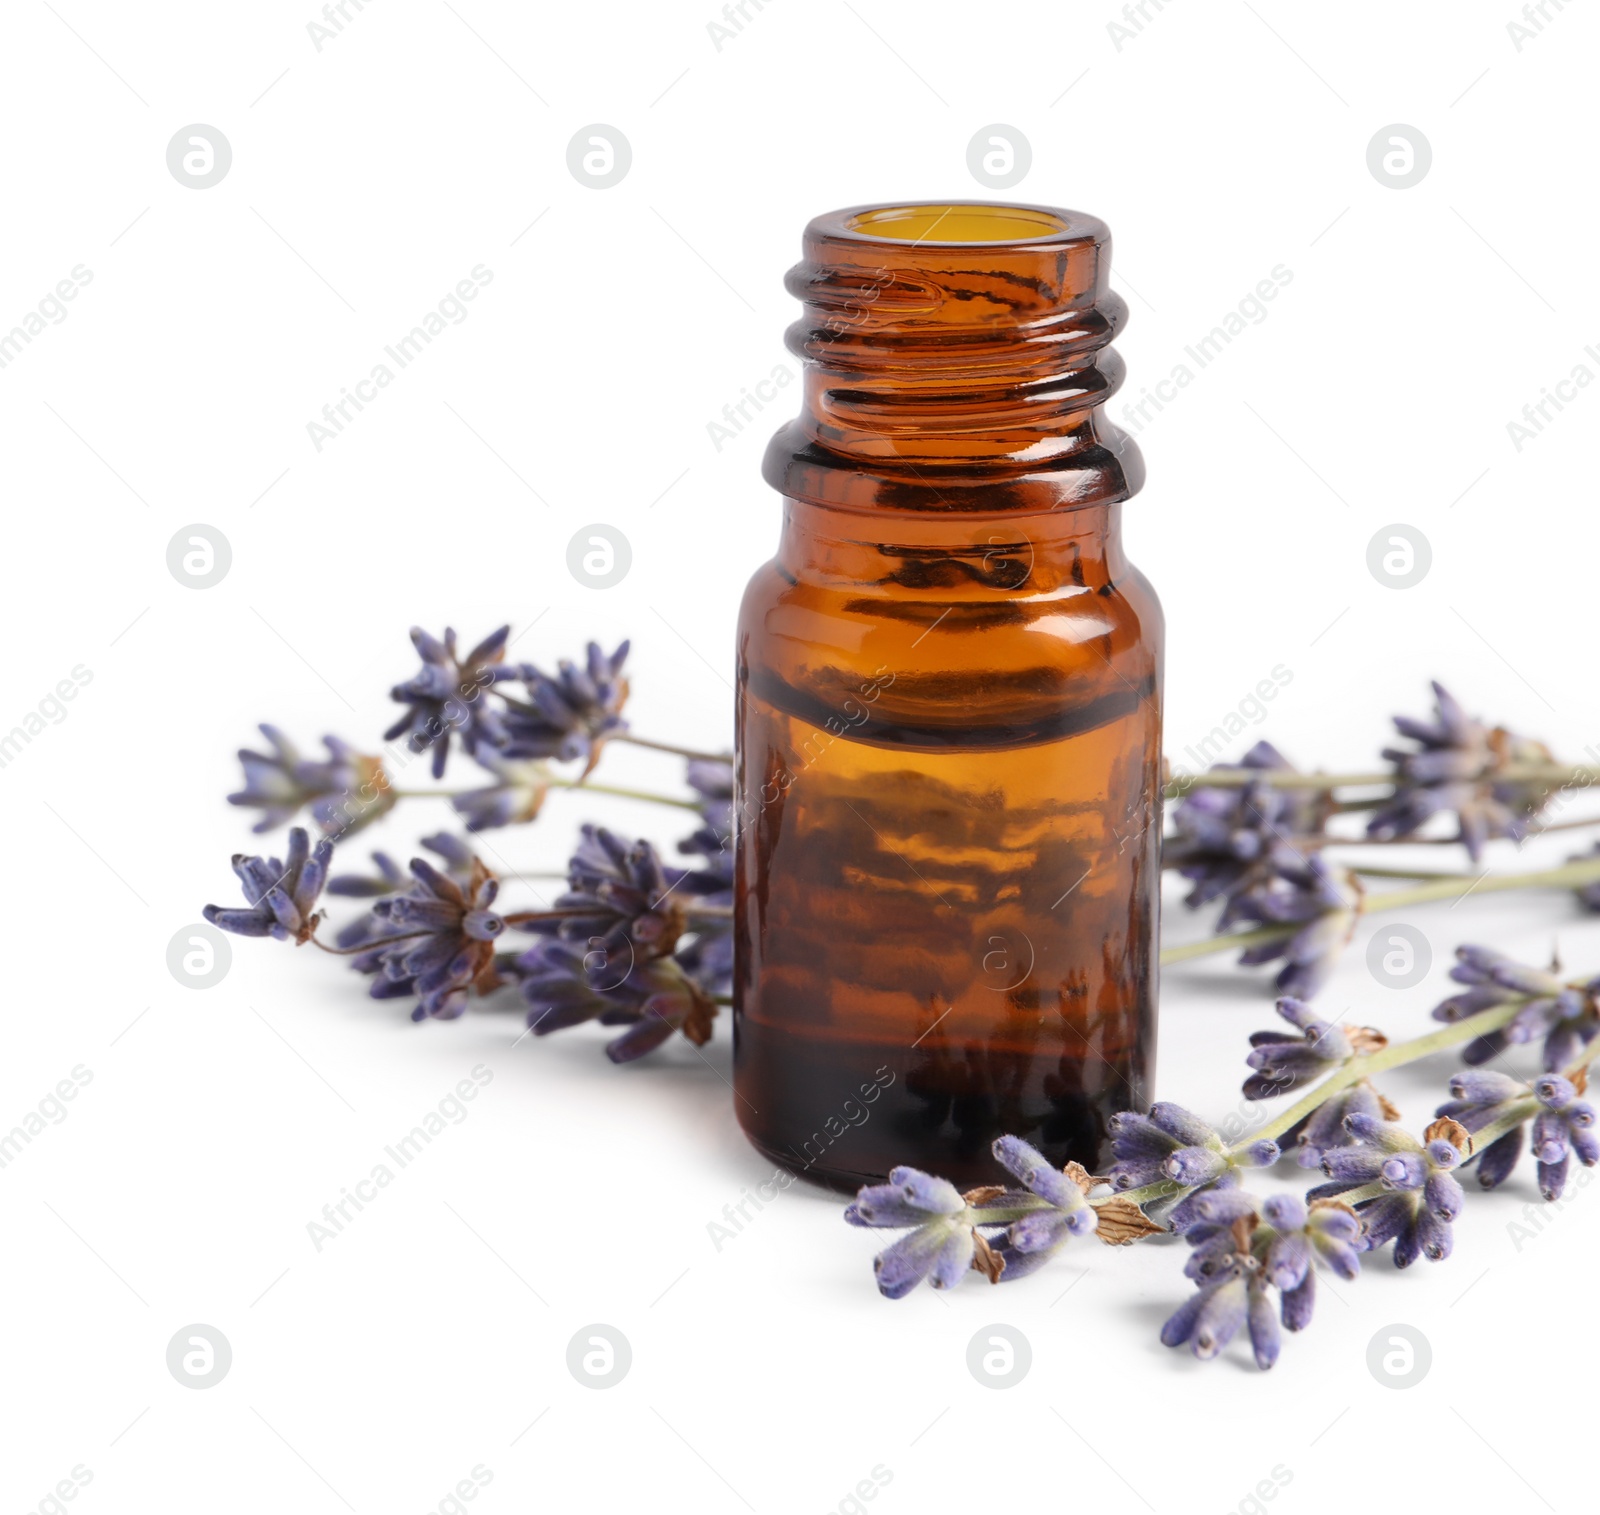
column 449, row 696
column 1563, row 1015
column 437, row 941
column 1453, row 770
column 1170, row 1143
column 281, row 895
column 568, row 716
column 1282, row 1062
column 564, row 985
column 621, row 899
column 1322, row 901
column 939, row 1247
column 1424, row 1195
column 1226, row 840
column 516, row 796
column 346, row 792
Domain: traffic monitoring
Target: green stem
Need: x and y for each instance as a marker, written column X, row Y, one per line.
column 1568, row 876
column 559, row 783
column 683, row 752
column 1374, row 872
column 627, row 794
column 1392, row 1056
column 1238, row 778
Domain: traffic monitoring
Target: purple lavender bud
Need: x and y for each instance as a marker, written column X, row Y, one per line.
column 936, row 1196
column 1549, row 1137
column 1459, row 1006
column 1180, row 1324
column 1405, row 1170
column 1261, row 1154
column 1298, row 1013
column 1554, row 1091
column 1353, row 1165
column 1381, row 1134
column 1187, row 1129
column 1443, row 1154
column 1386, row 1218
column 1220, row 1316
column 1223, row 1206
column 1297, row 1303
column 1443, row 1196
column 1288, row 1258
column 1553, row 1177
column 1433, row 1235
column 1499, row 1158
column 1185, row 1213
column 1265, row 1338
column 884, row 1205
column 1036, row 1171
column 1195, row 1165
column 1585, row 1144
column 1284, row 1212
column 1531, row 1022
column 903, row 1266
column 1210, row 1256
column 1480, row 960
column 954, row 1259
column 1485, row 1087
column 1033, row 1233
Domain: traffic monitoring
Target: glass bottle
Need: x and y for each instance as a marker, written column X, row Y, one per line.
column 949, row 693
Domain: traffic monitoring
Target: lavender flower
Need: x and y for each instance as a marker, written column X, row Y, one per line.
column 389, row 878
column 941, row 1243
column 1423, row 1195
column 1281, row 1062
column 1480, row 1098
column 570, row 715
column 517, row 794
column 1325, row 1128
column 1564, row 1127
column 1171, row 1144
column 435, row 941
column 620, row 899
column 1453, row 769
column 280, row 894
column 565, row 985
column 1564, row 1015
column 1320, row 900
column 1029, row 1243
column 344, row 793
column 449, row 695
column 1226, row 840
column 1237, row 1260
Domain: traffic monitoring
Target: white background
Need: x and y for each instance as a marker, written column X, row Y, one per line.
column 1221, row 140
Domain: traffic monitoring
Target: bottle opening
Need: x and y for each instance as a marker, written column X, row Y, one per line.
column 956, row 223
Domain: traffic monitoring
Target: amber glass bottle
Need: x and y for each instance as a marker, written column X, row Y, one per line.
column 948, row 711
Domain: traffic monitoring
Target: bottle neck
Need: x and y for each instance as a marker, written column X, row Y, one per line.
column 955, row 377
column 956, row 556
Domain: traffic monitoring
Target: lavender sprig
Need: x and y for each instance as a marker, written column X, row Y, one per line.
column 449, row 696
column 1239, row 1260
column 1456, row 768
column 1565, row 1016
